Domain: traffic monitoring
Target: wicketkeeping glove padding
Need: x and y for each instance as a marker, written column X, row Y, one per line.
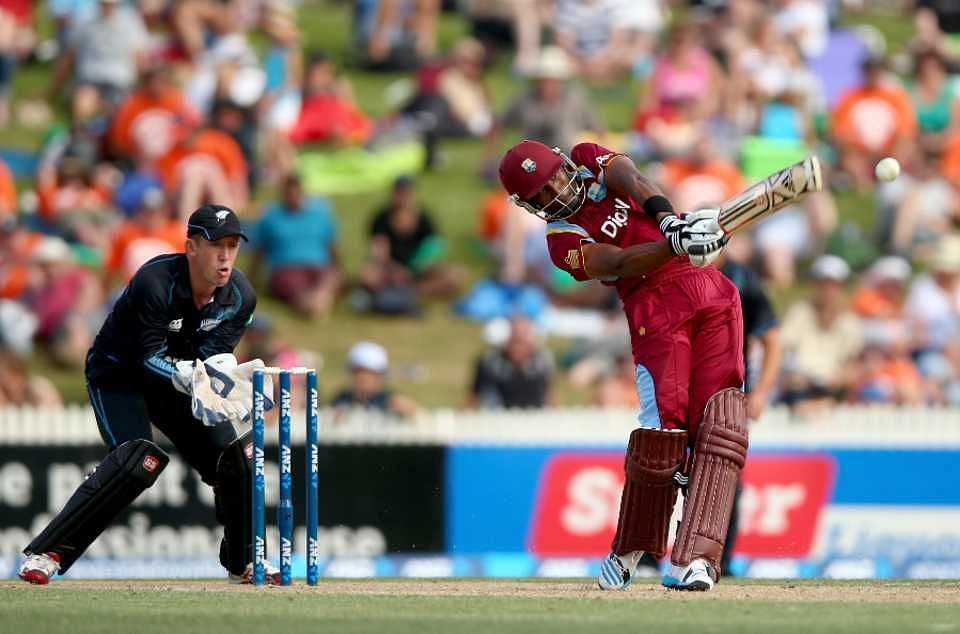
column 223, row 391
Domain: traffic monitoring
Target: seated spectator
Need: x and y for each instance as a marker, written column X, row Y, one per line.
column 921, row 205
column 145, row 126
column 395, row 34
column 16, row 41
column 452, row 99
column 806, row 21
column 298, row 236
column 518, row 24
column 283, row 64
column 884, row 373
column 607, row 39
column 701, row 178
column 406, row 255
column 553, row 110
column 617, row 388
column 821, row 338
column 935, row 102
column 883, row 291
column 104, row 54
column 328, row 113
column 933, row 303
column 518, row 374
column 149, row 232
column 67, row 300
column 76, row 204
column 8, row 193
column 683, row 92
column 205, row 165
column 872, row 121
column 20, row 388
column 368, row 365
column 17, row 246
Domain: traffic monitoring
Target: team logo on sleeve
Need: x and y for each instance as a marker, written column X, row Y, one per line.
column 573, row 258
column 529, row 165
column 597, row 192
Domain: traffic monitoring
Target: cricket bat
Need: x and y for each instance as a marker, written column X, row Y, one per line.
column 776, row 191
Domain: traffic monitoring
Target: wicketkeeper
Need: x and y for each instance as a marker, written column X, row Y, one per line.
column 606, row 221
column 142, row 369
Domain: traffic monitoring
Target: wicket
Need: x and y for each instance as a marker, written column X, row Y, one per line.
column 285, row 506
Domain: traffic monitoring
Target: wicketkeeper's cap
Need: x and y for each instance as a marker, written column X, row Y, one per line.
column 527, row 167
column 214, row 222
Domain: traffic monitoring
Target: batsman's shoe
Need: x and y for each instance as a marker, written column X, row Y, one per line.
column 617, row 571
column 271, row 575
column 38, row 569
column 696, row 577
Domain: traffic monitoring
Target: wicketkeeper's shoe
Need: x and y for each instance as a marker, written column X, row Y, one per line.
column 271, row 575
column 39, row 568
column 697, row 577
column 617, row 571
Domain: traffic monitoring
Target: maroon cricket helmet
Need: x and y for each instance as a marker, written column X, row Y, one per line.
column 528, row 166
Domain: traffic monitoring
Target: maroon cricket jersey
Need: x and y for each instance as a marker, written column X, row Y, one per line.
column 607, row 219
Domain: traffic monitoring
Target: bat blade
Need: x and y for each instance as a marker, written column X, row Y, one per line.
column 776, row 191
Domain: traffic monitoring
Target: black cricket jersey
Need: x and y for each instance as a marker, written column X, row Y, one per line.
column 155, row 323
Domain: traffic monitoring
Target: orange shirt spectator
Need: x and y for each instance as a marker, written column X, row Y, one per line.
column 71, row 191
column 145, row 125
column 873, row 118
column 8, row 192
column 205, row 147
column 17, row 247
column 695, row 183
column 950, row 161
column 136, row 242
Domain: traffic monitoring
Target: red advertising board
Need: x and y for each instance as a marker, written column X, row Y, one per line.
column 578, row 500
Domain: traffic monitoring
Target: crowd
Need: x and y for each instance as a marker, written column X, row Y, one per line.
column 167, row 104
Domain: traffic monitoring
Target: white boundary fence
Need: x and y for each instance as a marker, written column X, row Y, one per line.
column 839, row 427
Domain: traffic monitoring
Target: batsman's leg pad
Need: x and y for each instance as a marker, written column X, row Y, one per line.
column 232, row 494
column 654, row 457
column 124, row 474
column 718, row 457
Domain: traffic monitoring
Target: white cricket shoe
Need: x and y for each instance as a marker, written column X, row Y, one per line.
column 271, row 575
column 617, row 571
column 696, row 577
column 38, row 568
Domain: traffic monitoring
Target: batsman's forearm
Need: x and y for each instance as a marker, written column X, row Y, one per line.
column 632, row 261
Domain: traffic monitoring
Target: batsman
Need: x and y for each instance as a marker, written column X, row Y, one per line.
column 608, row 222
column 143, row 368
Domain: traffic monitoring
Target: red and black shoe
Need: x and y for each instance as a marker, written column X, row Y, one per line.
column 37, row 569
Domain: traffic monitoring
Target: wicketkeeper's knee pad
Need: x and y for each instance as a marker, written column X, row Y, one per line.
column 118, row 480
column 232, row 495
column 718, row 456
column 654, row 458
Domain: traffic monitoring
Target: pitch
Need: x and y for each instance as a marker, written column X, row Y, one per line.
column 468, row 606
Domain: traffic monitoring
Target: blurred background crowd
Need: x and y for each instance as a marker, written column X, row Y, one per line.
column 359, row 142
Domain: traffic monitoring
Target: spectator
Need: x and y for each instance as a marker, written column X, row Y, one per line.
column 701, row 178
column 105, row 54
column 67, row 301
column 684, row 91
column 406, row 255
column 76, row 205
column 368, row 365
column 518, row 374
column 8, row 193
column 872, row 121
column 553, row 110
column 151, row 231
column 395, row 34
column 282, row 101
column 146, row 124
column 933, row 303
column 298, row 236
column 607, row 39
column 328, row 113
column 935, row 102
column 807, row 21
column 821, row 338
column 19, row 388
column 517, row 22
column 16, row 40
column 617, row 388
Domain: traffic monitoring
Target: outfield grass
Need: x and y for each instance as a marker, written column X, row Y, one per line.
column 434, row 355
column 465, row 607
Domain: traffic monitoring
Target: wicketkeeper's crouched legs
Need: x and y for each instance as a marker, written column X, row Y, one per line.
column 718, row 456
column 654, row 457
column 124, row 474
column 232, row 493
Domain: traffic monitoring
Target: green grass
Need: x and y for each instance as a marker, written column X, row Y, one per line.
column 433, row 355
column 74, row 608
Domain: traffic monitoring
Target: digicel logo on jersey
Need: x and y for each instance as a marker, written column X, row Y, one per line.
column 578, row 504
